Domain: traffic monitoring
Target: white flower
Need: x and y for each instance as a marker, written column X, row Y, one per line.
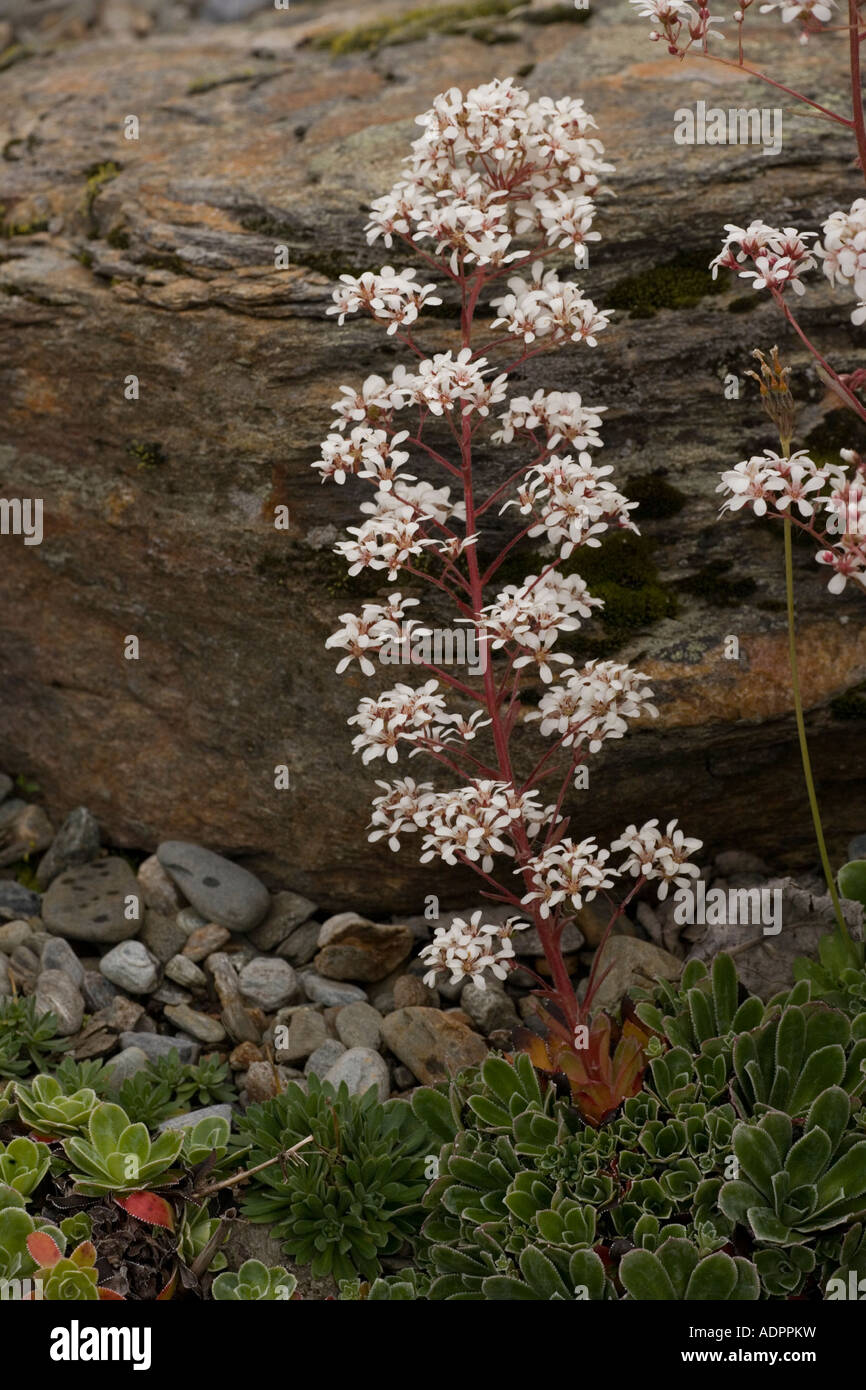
column 594, row 705
column 469, row 949
column 843, row 252
column 779, row 257
column 576, row 872
column 656, row 855
column 801, row 9
column 391, row 296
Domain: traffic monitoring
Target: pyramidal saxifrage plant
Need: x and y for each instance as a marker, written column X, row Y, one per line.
column 497, row 188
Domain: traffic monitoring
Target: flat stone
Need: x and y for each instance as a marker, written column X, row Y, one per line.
column 157, row 1045
column 57, row 954
column 168, row 993
column 359, row 1026
column 127, row 1063
column 324, row 1057
column 268, row 982
column 124, row 1015
column 94, row 1040
column 56, row 993
column 302, row 945
column 131, row 966
column 14, row 934
column 432, row 1045
column 306, row 1032
column 287, row 912
column 192, row 1117
column 184, row 971
column 161, row 935
column 203, row 941
column 630, row 962
column 98, row 992
column 360, row 1068
column 188, row 920
column 158, row 890
column 76, row 842
column 201, row 1026
column 17, row 899
column 90, row 903
column 218, row 889
column 322, row 991
column 354, row 949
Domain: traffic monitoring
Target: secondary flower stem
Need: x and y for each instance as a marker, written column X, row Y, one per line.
column 801, row 733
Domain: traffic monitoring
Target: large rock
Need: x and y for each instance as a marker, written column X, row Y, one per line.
column 159, row 512
column 96, row 902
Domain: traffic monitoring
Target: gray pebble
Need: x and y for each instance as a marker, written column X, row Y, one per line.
column 21, row 901
column 360, row 1068
column 268, row 982
column 125, row 1064
column 185, row 972
column 359, row 1025
column 57, row 954
column 221, row 891
column 76, row 842
column 329, row 992
column 161, row 1044
column 324, row 1057
column 192, row 1117
column 131, row 966
column 202, row 1026
column 57, row 994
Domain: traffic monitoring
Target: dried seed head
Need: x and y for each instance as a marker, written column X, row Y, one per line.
column 776, row 395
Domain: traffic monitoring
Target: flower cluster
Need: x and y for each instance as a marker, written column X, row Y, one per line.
column 778, row 257
column 654, row 854
column 560, row 416
column 568, row 871
column 572, row 503
column 594, row 704
column 843, row 252
column 378, row 624
column 391, row 296
column 469, row 949
column 806, row 491
column 531, row 616
column 546, row 307
column 470, row 823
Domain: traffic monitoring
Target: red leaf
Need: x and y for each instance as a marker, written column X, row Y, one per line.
column 43, row 1248
column 149, row 1207
column 84, row 1255
column 109, row 1296
column 168, row 1291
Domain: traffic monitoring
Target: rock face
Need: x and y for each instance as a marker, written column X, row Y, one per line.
column 155, row 259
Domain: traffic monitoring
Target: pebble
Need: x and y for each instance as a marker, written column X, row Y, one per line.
column 269, row 982
column 856, row 849
column 243, row 1056
column 161, row 935
column 25, row 967
column 167, row 993
column 218, row 889
column 188, row 919
column 98, row 992
column 302, row 945
column 324, row 1057
column 14, row 934
column 322, row 991
column 489, row 1009
column 14, row 897
column 433, row 1045
column 157, row 889
column 184, row 971
column 201, row 1026
column 192, row 1117
column 359, row 1026
column 90, row 903
column 402, row 1078
column 124, row 1015
column 131, row 966
column 351, row 948
column 76, row 842
column 25, row 833
column 203, row 941
column 241, row 1024
column 287, row 912
column 306, row 1032
column 125, row 1064
column 360, row 1068
column 57, row 954
column 56, row 993
column 409, row 991
column 160, row 1045
column 262, row 1082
